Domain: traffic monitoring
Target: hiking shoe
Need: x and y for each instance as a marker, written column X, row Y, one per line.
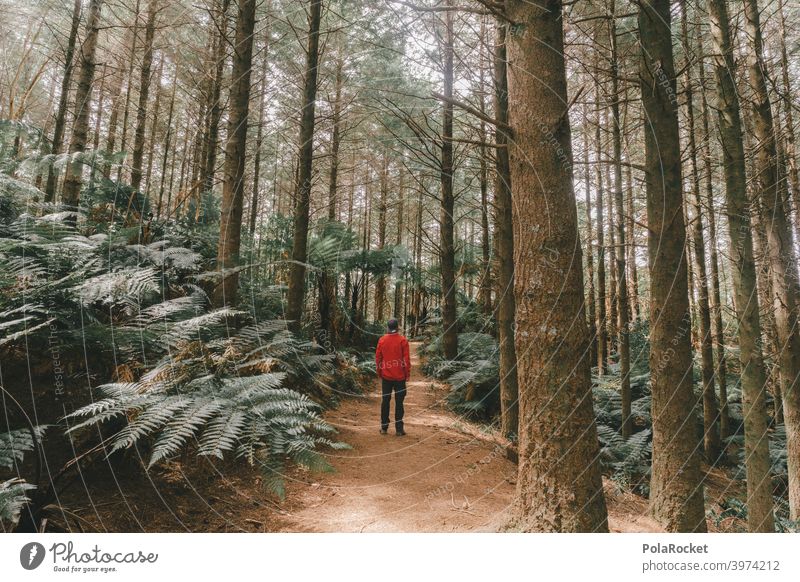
column 384, row 431
column 401, row 433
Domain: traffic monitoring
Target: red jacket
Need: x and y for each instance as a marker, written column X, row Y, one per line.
column 392, row 359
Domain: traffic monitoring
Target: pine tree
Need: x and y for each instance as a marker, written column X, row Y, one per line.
column 230, row 229
column 676, row 489
column 559, row 486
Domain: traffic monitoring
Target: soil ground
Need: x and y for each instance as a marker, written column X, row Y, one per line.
column 445, row 475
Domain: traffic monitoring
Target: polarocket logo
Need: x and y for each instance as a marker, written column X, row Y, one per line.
column 31, row 555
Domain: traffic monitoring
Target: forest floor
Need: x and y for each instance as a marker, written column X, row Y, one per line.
column 445, row 475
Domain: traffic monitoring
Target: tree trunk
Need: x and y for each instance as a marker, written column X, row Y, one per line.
column 559, row 487
column 144, row 95
column 504, row 247
column 602, row 333
column 632, row 268
column 233, row 187
column 129, row 84
column 783, row 265
column 590, row 300
column 417, row 297
column 328, row 287
column 676, row 487
column 446, row 218
column 380, row 280
column 167, row 148
column 262, row 106
column 399, row 287
column 613, row 301
column 623, row 312
column 716, row 296
column 116, row 108
column 711, row 437
column 633, row 283
column 153, row 128
column 485, row 298
column 297, row 270
column 63, row 100
column 83, row 97
column 333, row 182
column 791, row 148
column 209, row 162
column 768, row 328
column 759, row 490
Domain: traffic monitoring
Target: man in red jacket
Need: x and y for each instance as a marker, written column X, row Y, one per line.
column 393, row 363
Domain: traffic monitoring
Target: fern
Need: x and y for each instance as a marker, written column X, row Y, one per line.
column 14, row 445
column 211, row 382
column 194, row 401
column 628, row 460
column 13, row 492
column 13, row 497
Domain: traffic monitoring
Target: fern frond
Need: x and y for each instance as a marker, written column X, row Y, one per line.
column 184, row 426
column 13, row 497
column 14, row 445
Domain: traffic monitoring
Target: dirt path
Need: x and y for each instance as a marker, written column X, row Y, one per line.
column 445, row 475
column 442, row 476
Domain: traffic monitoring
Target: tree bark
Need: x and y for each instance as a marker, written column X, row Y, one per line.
column 333, row 182
column 129, row 84
column 144, row 95
column 759, row 490
column 214, row 108
column 380, row 280
column 399, row 286
column 83, row 97
column 262, row 106
column 559, row 487
column 297, row 270
column 602, row 331
column 167, row 148
column 233, row 187
column 711, row 439
column 783, row 263
column 623, row 312
column 63, row 100
column 485, row 299
column 721, row 369
column 590, row 300
column 791, row 147
column 504, row 247
column 447, row 212
column 153, row 128
column 676, row 487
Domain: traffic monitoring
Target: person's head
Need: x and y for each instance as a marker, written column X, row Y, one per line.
column 392, row 325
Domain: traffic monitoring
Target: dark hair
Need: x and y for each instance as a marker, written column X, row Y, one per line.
column 392, row 324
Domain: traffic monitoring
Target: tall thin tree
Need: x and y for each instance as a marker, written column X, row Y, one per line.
column 297, row 269
column 63, row 99
column 676, row 487
column 230, row 229
column 782, row 259
column 504, row 244
column 83, row 97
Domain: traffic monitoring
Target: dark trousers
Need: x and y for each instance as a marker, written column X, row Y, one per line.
column 399, row 388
